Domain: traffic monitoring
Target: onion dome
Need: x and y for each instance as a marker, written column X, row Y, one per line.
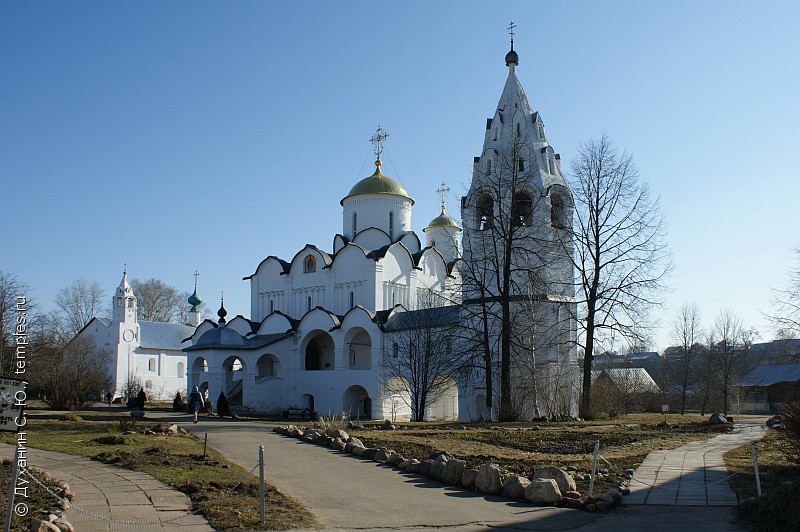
column 377, row 183
column 222, row 312
column 512, row 58
column 194, row 300
column 443, row 220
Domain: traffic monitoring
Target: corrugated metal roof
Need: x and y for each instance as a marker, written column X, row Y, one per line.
column 769, row 374
column 157, row 335
column 433, row 317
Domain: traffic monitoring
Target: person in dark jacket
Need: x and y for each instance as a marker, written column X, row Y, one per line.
column 196, row 402
column 141, row 399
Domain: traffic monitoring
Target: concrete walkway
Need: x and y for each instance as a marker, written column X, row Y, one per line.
column 136, row 501
column 693, row 474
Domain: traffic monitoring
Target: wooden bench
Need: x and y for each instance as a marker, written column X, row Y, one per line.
column 304, row 414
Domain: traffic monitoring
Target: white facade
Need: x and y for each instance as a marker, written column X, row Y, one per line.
column 150, row 351
column 316, row 335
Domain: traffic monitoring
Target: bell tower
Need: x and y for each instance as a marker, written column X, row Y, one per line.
column 124, row 302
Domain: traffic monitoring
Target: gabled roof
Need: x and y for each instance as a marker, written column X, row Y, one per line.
column 156, row 335
column 228, row 339
column 770, row 374
column 631, row 379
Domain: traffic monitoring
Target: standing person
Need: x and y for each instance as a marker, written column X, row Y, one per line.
column 141, row 398
column 196, row 402
column 109, row 398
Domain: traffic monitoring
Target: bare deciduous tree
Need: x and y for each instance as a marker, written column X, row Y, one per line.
column 419, row 364
column 157, row 301
column 10, row 289
column 729, row 346
column 686, row 332
column 78, row 303
column 71, row 377
column 621, row 257
column 786, row 304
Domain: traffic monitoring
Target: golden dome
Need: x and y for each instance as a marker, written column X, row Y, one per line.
column 378, row 183
column 443, row 221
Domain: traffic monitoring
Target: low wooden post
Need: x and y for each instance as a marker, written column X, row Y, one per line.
column 11, row 489
column 261, row 509
column 755, row 466
column 205, row 445
column 594, row 466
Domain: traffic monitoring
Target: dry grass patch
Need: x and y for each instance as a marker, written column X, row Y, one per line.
column 176, row 461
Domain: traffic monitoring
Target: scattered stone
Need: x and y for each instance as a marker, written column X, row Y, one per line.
column 338, row 444
column 413, row 467
column 382, row 455
column 312, row 435
column 354, row 425
column 358, row 450
column 369, row 453
column 543, row 490
column 294, row 432
column 348, row 448
column 563, row 479
column 453, row 471
column 616, row 495
column 602, row 506
column 64, row 525
column 625, row 490
column 44, row 526
column 488, row 479
column 355, row 441
column 605, row 498
column 514, row 487
column 468, row 478
column 51, row 517
column 165, row 428
column 575, row 504
column 437, row 468
column 572, row 494
column 395, row 459
column 425, row 467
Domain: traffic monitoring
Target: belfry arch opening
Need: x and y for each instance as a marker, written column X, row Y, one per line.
column 522, row 210
column 484, row 211
column 359, row 349
column 233, row 371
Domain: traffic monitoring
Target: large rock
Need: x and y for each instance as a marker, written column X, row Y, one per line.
column 425, row 467
column 543, row 491
column 437, row 468
column 383, row 455
column 717, row 419
column 468, row 478
column 514, row 486
column 488, row 479
column 294, row 432
column 64, row 525
column 338, row 444
column 165, row 428
column 369, row 453
column 355, row 441
column 358, row 450
column 44, row 526
column 413, row 467
column 339, row 433
column 312, row 435
column 453, row 471
column 563, row 479
column 395, row 459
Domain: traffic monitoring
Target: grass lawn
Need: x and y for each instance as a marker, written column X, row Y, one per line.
column 779, row 509
column 174, row 460
column 520, row 447
column 39, row 502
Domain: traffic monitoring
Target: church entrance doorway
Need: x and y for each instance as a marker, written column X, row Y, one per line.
column 233, row 371
column 198, row 374
column 446, row 406
column 357, row 403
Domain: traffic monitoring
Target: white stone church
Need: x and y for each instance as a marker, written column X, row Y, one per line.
column 322, row 322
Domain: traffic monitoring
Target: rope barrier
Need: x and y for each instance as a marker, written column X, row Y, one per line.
column 68, row 504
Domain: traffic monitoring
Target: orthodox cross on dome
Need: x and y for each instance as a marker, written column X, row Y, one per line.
column 196, row 275
column 125, row 268
column 511, row 32
column 442, row 190
column 378, row 139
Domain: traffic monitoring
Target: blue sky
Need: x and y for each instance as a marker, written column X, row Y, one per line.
column 177, row 136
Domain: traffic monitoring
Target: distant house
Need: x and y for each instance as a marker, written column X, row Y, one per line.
column 618, row 390
column 765, row 389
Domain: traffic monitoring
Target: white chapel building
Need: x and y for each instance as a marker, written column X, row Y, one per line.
column 147, row 350
column 321, row 323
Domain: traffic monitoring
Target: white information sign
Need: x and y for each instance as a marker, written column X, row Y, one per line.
column 12, row 401
column 664, row 409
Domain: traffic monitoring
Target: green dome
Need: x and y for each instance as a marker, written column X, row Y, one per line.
column 443, row 221
column 194, row 300
column 378, row 183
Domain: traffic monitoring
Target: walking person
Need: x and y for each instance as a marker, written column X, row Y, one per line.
column 196, row 402
column 109, row 398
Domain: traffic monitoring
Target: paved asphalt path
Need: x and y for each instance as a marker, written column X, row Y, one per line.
column 347, row 492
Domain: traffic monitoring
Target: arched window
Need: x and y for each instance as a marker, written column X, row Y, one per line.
column 550, row 165
column 352, row 299
column 181, row 370
column 558, row 217
column 119, row 301
column 433, row 243
column 391, row 225
column 310, row 264
column 521, row 210
column 130, row 302
column 521, row 164
column 519, row 130
column 271, row 306
column 151, row 364
column 308, row 303
column 488, row 167
column 485, row 212
column 148, row 384
column 355, row 223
